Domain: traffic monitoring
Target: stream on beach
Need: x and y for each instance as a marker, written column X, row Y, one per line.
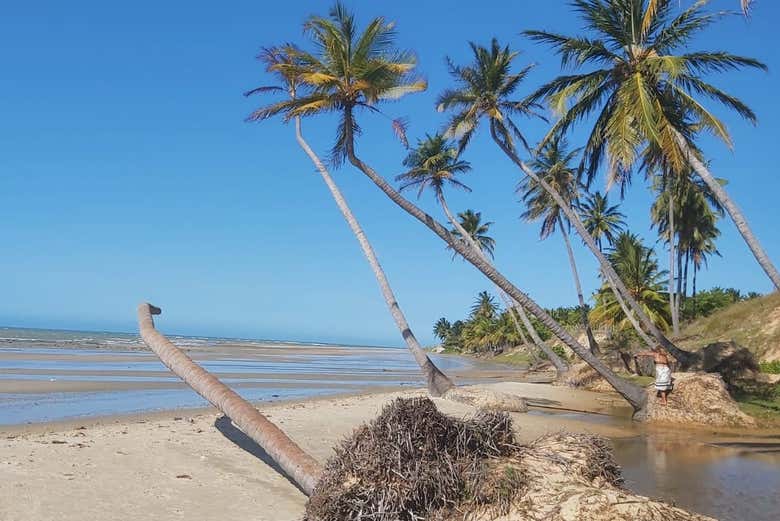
column 49, row 376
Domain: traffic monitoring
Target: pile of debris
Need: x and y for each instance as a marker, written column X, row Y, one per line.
column 413, row 463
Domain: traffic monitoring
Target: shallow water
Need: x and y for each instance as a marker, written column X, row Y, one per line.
column 65, row 375
column 706, row 473
column 726, row 483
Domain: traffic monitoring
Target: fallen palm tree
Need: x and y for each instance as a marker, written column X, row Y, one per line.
column 413, row 463
column 296, row 463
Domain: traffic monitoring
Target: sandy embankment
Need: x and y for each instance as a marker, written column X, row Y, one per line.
column 179, row 465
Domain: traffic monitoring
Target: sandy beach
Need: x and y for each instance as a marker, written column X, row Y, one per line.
column 192, row 464
column 180, row 465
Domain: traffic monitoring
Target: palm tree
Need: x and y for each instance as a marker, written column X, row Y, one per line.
column 638, row 267
column 442, row 328
column 483, row 93
column 602, row 221
column 296, row 463
column 484, row 306
column 474, row 232
column 284, row 64
column 700, row 247
column 434, row 164
column 645, row 86
column 353, row 71
column 685, row 210
column 553, row 165
column 470, row 225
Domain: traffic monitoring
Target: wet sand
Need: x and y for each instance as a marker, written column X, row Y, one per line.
column 193, row 465
column 42, row 384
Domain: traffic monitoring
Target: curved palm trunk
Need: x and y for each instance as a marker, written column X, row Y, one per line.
column 560, row 366
column 438, row 382
column 301, row 467
column 634, row 394
column 683, row 357
column 630, row 315
column 594, row 346
column 736, row 214
column 511, row 308
column 673, row 300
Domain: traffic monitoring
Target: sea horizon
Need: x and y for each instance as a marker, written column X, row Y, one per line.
column 202, row 338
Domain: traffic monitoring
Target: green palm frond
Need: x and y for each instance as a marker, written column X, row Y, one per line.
column 484, row 90
column 645, row 85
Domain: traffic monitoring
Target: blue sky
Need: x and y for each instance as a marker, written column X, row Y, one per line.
column 128, row 174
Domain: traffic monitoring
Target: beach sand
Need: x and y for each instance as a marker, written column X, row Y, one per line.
column 180, row 465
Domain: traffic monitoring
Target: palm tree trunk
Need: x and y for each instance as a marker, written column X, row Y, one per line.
column 438, row 382
column 630, row 315
column 736, row 214
column 594, row 347
column 695, row 270
column 511, row 309
column 685, row 275
column 679, row 269
column 634, row 394
column 296, row 463
column 560, row 366
column 673, row 297
column 684, row 357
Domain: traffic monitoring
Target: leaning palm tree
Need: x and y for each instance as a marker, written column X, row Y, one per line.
column 469, row 224
column 435, row 164
column 282, row 63
column 553, row 164
column 484, row 92
column 296, row 463
column 643, row 85
column 638, row 267
column 475, row 233
column 352, row 71
column 601, row 221
column 605, row 222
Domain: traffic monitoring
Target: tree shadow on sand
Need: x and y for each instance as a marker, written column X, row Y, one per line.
column 225, row 426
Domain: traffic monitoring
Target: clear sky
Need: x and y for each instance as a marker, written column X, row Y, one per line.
column 128, row 174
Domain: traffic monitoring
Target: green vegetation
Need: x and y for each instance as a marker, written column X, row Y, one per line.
column 753, row 323
column 636, row 264
column 770, row 367
column 637, row 85
column 764, row 405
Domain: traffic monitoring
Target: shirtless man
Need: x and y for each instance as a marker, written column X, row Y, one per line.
column 663, row 373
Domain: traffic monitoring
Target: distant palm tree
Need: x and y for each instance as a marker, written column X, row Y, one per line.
column 353, row 71
column 553, row 164
column 638, row 267
column 645, row 85
column 484, row 306
column 435, row 164
column 483, row 93
column 470, row 226
column 602, row 221
column 684, row 211
column 473, row 231
column 442, row 328
column 285, row 63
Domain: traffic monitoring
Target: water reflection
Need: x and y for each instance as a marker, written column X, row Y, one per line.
column 727, row 483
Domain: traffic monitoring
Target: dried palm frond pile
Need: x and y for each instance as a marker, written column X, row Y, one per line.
column 413, row 463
